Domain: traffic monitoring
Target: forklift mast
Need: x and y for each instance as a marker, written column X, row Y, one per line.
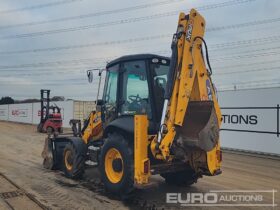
column 45, row 104
column 49, row 122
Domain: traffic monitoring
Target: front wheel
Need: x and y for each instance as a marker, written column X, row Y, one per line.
column 73, row 161
column 117, row 165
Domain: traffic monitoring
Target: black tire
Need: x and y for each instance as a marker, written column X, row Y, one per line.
column 124, row 187
column 77, row 160
column 180, row 178
column 49, row 130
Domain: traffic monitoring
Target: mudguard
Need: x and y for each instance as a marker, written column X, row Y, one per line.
column 124, row 124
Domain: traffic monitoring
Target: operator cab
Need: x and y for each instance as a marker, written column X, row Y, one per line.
column 135, row 84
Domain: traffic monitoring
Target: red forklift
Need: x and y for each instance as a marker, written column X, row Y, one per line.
column 51, row 119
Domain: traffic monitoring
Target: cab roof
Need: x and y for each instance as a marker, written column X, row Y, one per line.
column 135, row 57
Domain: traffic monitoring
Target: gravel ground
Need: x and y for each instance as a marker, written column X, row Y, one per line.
column 21, row 162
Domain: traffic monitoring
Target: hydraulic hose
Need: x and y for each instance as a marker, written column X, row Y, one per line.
column 206, row 53
column 172, row 69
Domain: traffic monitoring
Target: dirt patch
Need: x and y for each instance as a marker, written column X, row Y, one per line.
column 20, row 161
column 16, row 198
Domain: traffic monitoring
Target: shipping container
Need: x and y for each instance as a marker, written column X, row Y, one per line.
column 82, row 109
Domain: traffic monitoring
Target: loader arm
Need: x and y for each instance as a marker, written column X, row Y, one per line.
column 190, row 104
column 92, row 129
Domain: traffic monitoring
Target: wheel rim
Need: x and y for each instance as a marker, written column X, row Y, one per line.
column 68, row 160
column 113, row 175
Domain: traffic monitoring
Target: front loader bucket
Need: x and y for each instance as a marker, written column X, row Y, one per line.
column 52, row 153
column 200, row 128
column 47, row 154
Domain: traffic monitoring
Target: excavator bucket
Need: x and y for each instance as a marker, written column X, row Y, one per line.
column 200, row 128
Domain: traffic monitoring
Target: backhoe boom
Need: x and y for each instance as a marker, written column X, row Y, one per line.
column 190, row 112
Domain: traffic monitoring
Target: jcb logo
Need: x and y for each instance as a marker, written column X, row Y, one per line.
column 189, row 31
column 209, row 91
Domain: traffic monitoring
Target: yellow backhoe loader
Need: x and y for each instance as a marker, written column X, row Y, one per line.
column 158, row 115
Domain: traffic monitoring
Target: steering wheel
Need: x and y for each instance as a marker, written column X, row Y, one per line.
column 135, row 99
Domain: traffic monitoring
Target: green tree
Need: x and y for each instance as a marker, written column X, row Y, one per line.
column 7, row 100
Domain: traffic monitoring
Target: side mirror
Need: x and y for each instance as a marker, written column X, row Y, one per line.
column 90, row 76
column 90, row 80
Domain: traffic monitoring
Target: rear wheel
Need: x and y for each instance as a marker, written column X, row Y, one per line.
column 116, row 165
column 181, row 178
column 73, row 161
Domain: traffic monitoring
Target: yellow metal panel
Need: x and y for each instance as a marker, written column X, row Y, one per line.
column 141, row 149
column 196, row 24
column 213, row 161
column 94, row 130
column 182, row 23
column 166, row 144
column 170, row 117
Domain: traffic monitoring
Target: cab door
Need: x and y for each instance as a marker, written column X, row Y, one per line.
column 110, row 94
column 134, row 94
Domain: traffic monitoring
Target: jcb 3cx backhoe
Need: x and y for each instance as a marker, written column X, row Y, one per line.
column 157, row 116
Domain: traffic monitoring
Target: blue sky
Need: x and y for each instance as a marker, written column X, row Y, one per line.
column 52, row 46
